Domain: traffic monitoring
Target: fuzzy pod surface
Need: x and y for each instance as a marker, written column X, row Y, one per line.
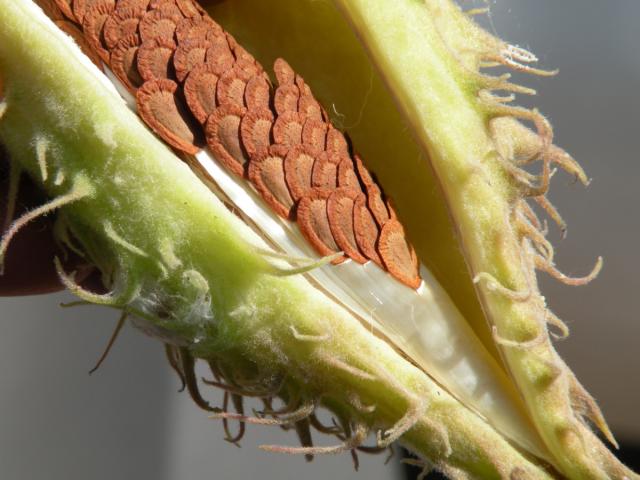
column 193, row 272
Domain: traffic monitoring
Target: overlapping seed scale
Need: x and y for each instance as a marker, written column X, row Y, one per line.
column 196, row 86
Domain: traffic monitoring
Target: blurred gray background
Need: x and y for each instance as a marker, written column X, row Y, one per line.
column 128, row 421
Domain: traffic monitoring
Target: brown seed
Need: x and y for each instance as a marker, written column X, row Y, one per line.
column 377, row 204
column 159, row 23
column 336, row 142
column 190, row 8
column 314, row 134
column 340, row 211
column 155, row 59
column 167, row 7
column 347, row 177
column 53, row 11
column 288, row 129
column 255, row 132
column 325, row 171
column 284, row 73
column 121, row 23
column 161, row 109
column 302, row 85
column 139, row 6
column 189, row 54
column 243, row 59
column 74, row 32
column 93, row 25
column 397, row 255
column 240, row 54
column 298, row 169
column 155, row 4
column 392, row 212
column 200, row 92
column 230, row 89
column 266, row 173
column 219, row 55
column 80, row 8
column 124, row 62
column 223, row 137
column 65, row 8
column 286, row 99
column 310, row 108
column 366, row 230
column 257, row 93
column 198, row 27
column 363, row 173
column 313, row 221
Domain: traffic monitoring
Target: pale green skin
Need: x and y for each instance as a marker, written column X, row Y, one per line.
column 168, row 225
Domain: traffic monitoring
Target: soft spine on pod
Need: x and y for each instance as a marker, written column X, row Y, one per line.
column 177, row 258
column 478, row 149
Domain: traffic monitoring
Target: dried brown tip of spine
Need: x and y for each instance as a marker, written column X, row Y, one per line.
column 66, row 9
column 266, row 172
column 313, row 221
column 366, row 230
column 255, row 131
column 223, row 137
column 257, row 93
column 76, row 34
column 288, row 129
column 314, row 135
column 189, row 54
column 200, row 92
column 159, row 23
column 122, row 23
column 93, row 25
column 155, row 59
column 340, row 211
column 231, row 88
column 124, row 62
column 163, row 111
column 397, row 255
column 298, row 169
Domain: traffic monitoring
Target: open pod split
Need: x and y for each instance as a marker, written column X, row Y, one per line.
column 236, row 218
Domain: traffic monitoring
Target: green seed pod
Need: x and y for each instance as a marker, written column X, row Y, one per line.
column 273, row 254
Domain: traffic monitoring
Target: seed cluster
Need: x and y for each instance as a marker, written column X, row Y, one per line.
column 196, row 86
